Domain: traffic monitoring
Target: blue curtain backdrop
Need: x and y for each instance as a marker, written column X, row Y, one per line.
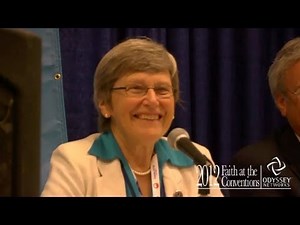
column 53, row 122
column 223, row 80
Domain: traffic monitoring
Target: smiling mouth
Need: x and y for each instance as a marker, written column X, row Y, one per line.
column 148, row 117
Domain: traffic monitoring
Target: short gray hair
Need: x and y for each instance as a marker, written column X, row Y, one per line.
column 130, row 56
column 287, row 56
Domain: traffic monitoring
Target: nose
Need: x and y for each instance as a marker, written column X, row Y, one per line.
column 151, row 96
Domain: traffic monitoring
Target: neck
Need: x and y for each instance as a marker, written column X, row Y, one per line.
column 137, row 153
column 138, row 157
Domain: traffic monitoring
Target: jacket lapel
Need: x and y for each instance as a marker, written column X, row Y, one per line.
column 289, row 147
column 172, row 181
column 111, row 181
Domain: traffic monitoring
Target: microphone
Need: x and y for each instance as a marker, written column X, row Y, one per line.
column 179, row 139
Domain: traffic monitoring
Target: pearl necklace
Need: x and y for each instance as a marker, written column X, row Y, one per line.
column 141, row 173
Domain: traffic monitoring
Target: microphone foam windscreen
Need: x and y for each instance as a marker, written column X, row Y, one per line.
column 175, row 134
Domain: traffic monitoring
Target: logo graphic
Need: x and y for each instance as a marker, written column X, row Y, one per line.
column 276, row 166
column 249, row 177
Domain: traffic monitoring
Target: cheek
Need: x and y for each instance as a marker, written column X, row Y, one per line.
column 121, row 106
column 297, row 110
column 169, row 107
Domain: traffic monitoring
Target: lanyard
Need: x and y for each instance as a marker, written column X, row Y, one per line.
column 155, row 181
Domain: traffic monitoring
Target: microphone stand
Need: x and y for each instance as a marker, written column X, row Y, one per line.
column 185, row 145
column 204, row 190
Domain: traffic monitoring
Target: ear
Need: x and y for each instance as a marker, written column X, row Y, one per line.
column 104, row 108
column 280, row 101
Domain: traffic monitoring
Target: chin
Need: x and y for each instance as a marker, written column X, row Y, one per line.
column 151, row 134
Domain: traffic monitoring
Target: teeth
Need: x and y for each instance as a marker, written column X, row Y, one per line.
column 149, row 117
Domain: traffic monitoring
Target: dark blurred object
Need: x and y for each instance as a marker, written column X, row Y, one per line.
column 20, row 107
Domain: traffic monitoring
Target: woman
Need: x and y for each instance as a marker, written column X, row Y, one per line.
column 135, row 91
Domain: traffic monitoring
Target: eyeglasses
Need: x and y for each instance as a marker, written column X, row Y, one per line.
column 138, row 90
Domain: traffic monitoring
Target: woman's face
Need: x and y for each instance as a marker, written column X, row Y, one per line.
column 141, row 116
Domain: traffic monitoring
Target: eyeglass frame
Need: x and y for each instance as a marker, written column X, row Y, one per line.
column 145, row 89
